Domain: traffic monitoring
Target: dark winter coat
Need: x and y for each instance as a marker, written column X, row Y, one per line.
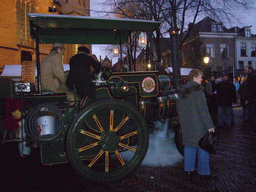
column 79, row 74
column 243, row 93
column 226, row 93
column 210, row 90
column 193, row 113
column 251, row 86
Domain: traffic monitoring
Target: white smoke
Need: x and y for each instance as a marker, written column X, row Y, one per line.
column 162, row 150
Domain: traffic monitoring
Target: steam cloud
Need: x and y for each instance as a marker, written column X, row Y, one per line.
column 162, row 150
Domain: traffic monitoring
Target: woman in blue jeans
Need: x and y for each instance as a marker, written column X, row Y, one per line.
column 195, row 121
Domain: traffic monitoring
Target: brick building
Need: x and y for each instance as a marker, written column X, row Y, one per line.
column 229, row 50
column 16, row 46
column 106, row 62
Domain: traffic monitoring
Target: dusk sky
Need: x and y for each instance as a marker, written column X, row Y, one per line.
column 98, row 10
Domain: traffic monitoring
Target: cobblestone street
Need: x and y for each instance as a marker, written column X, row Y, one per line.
column 234, row 164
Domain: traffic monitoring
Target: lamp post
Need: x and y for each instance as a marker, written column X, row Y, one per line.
column 175, row 53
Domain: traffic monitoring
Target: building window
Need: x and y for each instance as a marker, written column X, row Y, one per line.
column 210, row 50
column 243, row 49
column 26, row 56
column 216, row 27
column 240, row 65
column 224, row 51
column 253, row 53
column 219, row 28
column 24, row 7
column 249, row 62
column 247, row 32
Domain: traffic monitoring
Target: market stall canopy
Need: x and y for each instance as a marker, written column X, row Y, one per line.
column 15, row 70
column 12, row 70
column 84, row 29
column 183, row 71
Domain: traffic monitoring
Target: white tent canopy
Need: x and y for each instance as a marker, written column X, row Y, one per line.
column 11, row 70
column 15, row 70
column 183, row 71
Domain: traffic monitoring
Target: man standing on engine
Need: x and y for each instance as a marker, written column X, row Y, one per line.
column 79, row 77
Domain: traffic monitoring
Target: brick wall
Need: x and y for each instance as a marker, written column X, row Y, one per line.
column 10, row 51
column 28, row 71
column 8, row 44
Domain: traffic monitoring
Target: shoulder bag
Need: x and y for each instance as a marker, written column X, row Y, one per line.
column 208, row 142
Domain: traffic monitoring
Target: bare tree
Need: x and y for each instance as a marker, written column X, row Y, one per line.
column 179, row 13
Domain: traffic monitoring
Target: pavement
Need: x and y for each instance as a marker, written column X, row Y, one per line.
column 234, row 165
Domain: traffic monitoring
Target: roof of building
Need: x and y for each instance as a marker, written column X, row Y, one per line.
column 205, row 25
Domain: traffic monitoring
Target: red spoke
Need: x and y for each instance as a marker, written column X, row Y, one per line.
column 120, row 158
column 128, row 135
column 88, row 147
column 121, row 124
column 106, row 161
column 98, row 122
column 89, row 134
column 96, row 158
column 127, row 147
column 111, row 121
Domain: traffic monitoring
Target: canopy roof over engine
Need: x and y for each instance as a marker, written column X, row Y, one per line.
column 85, row 30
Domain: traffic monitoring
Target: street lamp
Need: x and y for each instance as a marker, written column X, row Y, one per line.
column 115, row 52
column 206, row 60
column 149, row 66
column 143, row 40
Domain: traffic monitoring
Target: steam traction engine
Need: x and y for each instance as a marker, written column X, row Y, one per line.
column 105, row 138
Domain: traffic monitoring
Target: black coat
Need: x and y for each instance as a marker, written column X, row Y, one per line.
column 79, row 74
column 251, row 86
column 226, row 94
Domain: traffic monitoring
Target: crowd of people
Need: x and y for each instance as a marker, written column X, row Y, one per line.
column 210, row 109
column 222, row 93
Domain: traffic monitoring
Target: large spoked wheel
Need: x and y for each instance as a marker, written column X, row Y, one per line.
column 107, row 140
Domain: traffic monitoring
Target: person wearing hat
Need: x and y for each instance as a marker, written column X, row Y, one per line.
column 52, row 72
column 226, row 96
column 79, row 75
